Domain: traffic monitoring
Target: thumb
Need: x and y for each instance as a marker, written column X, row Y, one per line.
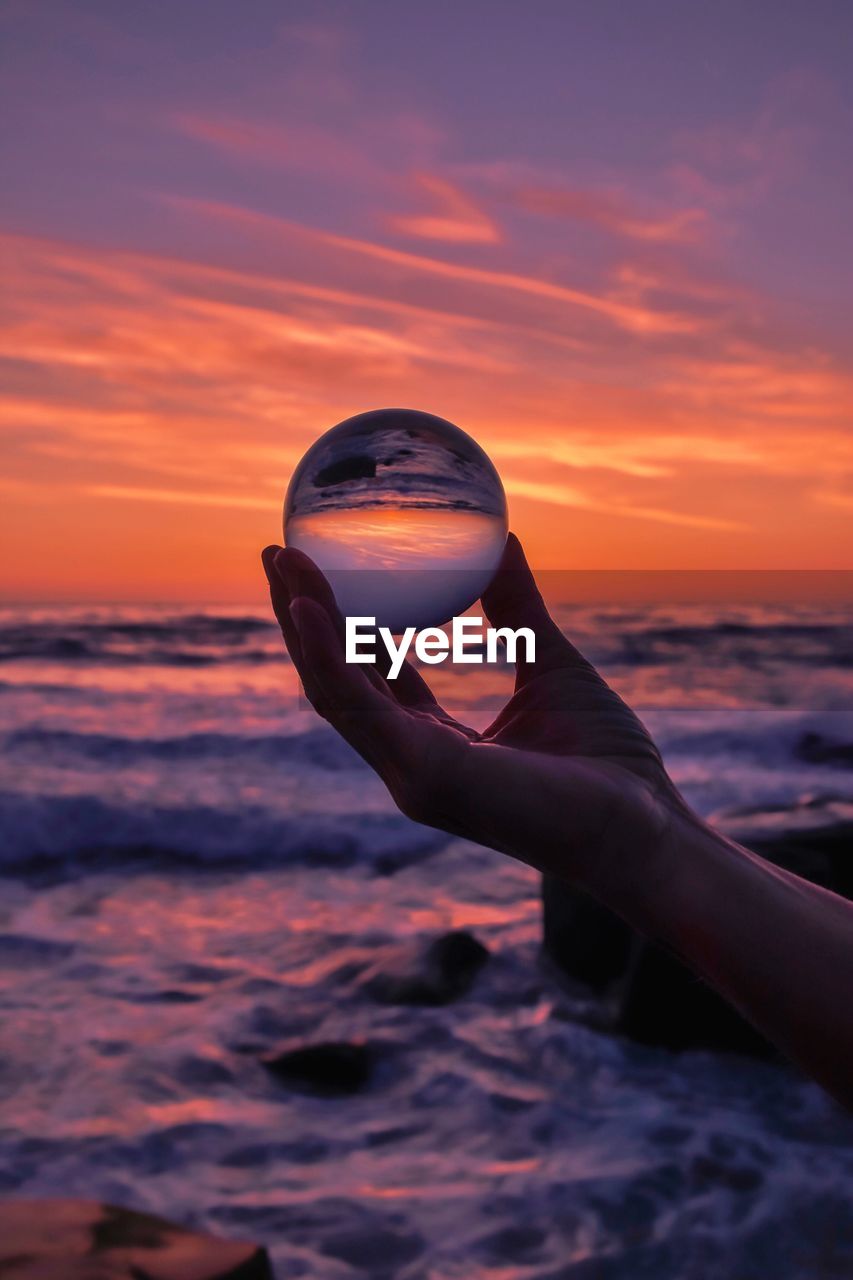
column 513, row 600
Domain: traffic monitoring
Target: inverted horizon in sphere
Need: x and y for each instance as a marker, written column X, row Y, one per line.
column 395, row 458
column 404, row 512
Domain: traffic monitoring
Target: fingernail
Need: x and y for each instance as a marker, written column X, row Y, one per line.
column 295, row 611
column 284, row 571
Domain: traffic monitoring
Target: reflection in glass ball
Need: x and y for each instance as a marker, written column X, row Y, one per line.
column 403, row 512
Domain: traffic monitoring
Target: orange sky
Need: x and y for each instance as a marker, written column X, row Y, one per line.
column 202, row 278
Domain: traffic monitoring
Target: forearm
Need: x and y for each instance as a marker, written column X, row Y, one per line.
column 779, row 948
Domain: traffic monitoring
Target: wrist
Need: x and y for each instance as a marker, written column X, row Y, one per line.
column 688, row 876
column 661, row 862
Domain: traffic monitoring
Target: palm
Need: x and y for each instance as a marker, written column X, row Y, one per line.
column 568, row 712
column 564, row 746
column 572, row 712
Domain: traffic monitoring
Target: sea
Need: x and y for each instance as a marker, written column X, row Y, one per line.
column 197, row 871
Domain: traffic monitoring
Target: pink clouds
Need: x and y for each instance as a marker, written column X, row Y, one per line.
column 633, row 316
column 622, row 263
column 455, row 219
column 144, row 379
column 729, row 164
column 277, row 146
column 611, row 211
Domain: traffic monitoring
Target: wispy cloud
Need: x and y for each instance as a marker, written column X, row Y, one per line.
column 834, row 498
column 644, row 456
column 136, row 379
column 291, row 146
column 182, row 497
column 241, row 233
column 568, row 496
column 736, row 162
column 635, row 318
column 456, row 218
column 611, row 210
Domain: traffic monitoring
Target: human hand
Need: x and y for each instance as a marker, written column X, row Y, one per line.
column 566, row 778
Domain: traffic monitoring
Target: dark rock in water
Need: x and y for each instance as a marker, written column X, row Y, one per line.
column 584, row 939
column 85, row 1240
column 813, row 748
column 663, row 1003
column 443, row 972
column 822, row 852
column 331, row 1068
column 656, row 999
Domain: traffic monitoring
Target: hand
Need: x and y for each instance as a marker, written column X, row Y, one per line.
column 566, row 778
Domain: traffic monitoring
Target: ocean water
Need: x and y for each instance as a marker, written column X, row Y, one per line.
column 196, row 870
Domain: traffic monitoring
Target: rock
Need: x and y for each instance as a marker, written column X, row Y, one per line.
column 330, row 1068
column 582, row 938
column 86, row 1240
column 813, row 748
column 443, row 972
column 663, row 1003
column 656, row 1000
column 821, row 852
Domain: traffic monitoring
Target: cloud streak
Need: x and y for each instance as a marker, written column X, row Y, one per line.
column 634, row 318
column 456, row 219
column 568, row 496
column 612, row 211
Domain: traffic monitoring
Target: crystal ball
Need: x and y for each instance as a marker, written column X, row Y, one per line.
column 403, row 512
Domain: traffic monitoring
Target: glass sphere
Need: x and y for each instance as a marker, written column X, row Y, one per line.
column 403, row 512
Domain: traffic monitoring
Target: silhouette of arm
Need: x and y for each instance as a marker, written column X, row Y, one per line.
column 567, row 779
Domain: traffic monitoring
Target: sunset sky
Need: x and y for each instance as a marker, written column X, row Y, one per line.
column 611, row 241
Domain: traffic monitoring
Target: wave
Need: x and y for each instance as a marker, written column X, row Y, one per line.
column 37, row 686
column 186, row 639
column 78, row 833
column 624, row 638
column 70, row 653
column 317, row 747
column 182, row 623
column 737, row 643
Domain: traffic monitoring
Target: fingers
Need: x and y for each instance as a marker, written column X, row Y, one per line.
column 410, row 689
column 373, row 723
column 302, row 578
column 291, row 574
column 513, row 600
column 280, row 599
column 357, row 701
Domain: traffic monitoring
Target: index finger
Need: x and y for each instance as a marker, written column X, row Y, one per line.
column 371, row 721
